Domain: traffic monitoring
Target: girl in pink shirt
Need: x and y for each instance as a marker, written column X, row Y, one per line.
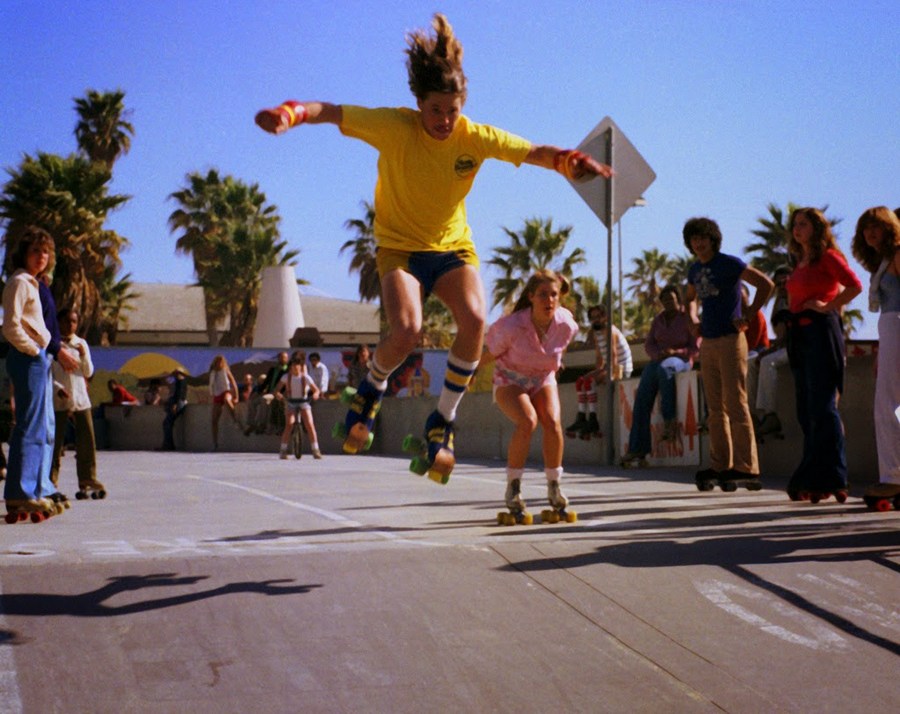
column 528, row 346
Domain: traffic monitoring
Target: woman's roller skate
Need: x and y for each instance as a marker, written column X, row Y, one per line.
column 356, row 429
column 516, row 505
column 882, row 496
column 33, row 509
column 558, row 502
column 90, row 489
column 433, row 454
column 60, row 501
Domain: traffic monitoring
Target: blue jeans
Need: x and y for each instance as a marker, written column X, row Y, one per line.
column 656, row 377
column 31, row 441
column 818, row 376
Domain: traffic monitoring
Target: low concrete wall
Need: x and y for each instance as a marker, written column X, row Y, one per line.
column 483, row 433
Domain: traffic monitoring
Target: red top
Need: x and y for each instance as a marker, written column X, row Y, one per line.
column 757, row 333
column 821, row 280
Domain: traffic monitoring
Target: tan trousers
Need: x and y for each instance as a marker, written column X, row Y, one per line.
column 85, row 447
column 723, row 368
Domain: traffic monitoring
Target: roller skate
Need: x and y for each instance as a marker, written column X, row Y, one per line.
column 558, row 506
column 356, row 429
column 882, row 496
column 728, row 481
column 433, row 455
column 34, row 509
column 591, row 429
column 575, row 429
column 90, row 489
column 516, row 505
column 633, row 460
column 60, row 501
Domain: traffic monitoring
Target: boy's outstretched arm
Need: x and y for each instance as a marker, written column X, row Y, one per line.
column 291, row 113
column 573, row 164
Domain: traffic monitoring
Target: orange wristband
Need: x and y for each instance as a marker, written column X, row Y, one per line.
column 295, row 111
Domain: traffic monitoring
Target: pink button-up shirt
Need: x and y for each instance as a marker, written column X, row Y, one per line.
column 514, row 342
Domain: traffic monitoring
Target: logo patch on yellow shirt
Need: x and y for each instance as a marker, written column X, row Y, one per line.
column 465, row 165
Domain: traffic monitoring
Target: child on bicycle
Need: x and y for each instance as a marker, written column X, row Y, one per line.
column 299, row 391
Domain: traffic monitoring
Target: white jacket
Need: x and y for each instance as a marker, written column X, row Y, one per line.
column 75, row 383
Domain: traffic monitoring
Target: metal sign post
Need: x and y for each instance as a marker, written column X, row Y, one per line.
column 609, row 200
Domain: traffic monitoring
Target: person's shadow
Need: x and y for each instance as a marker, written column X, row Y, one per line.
column 93, row 603
column 734, row 551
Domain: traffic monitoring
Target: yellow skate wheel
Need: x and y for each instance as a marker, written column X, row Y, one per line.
column 549, row 517
column 571, row 517
column 527, row 519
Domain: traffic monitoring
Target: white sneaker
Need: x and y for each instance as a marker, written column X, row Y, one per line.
column 317, row 454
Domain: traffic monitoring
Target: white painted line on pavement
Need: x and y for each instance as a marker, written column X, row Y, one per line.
column 329, row 515
column 721, row 593
column 10, row 701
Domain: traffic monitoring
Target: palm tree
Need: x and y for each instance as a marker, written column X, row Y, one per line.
column 362, row 248
column 102, row 132
column 68, row 197
column 676, row 271
column 650, row 274
column 536, row 247
column 232, row 234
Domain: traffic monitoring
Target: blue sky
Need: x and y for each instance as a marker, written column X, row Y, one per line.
column 734, row 105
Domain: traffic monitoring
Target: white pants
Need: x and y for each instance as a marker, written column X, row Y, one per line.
column 767, row 384
column 887, row 398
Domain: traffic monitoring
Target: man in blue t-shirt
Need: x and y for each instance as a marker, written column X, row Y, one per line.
column 715, row 280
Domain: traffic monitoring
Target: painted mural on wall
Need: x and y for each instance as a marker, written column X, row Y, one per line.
column 140, row 368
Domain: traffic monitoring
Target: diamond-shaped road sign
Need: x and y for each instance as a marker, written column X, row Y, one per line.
column 633, row 174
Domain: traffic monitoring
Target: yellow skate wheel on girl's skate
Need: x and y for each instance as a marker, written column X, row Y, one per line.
column 571, row 517
column 549, row 516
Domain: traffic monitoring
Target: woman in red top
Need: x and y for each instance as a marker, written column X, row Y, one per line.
column 820, row 286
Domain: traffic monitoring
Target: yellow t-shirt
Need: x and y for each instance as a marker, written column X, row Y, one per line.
column 422, row 182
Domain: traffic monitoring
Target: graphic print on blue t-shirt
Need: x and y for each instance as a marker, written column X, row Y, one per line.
column 717, row 284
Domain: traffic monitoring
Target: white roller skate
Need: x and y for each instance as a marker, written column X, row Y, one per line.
column 558, row 503
column 516, row 505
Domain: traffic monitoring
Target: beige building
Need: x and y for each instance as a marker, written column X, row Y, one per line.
column 168, row 314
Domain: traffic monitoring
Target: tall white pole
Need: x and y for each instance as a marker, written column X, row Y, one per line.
column 610, row 386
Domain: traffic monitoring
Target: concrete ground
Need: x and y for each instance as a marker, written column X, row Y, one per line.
column 238, row 582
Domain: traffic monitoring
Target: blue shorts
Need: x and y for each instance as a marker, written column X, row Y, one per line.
column 425, row 266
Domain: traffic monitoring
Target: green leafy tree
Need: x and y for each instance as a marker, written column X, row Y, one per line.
column 537, row 246
column 69, row 198
column 103, row 132
column 231, row 233
column 362, row 253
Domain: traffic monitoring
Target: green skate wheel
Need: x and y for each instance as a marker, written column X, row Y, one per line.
column 347, row 395
column 339, row 430
column 419, row 466
column 413, row 444
column 369, row 439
